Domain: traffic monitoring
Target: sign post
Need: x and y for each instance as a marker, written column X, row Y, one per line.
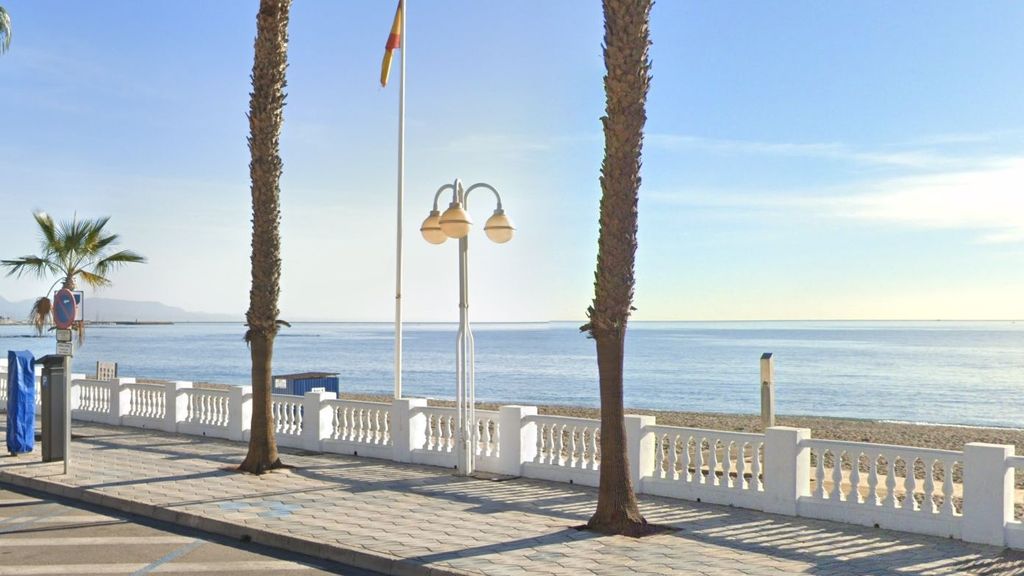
column 65, row 313
column 767, row 390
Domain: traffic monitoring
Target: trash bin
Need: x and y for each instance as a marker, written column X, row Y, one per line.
column 55, row 404
column 21, row 401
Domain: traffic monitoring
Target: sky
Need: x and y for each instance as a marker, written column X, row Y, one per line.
column 802, row 159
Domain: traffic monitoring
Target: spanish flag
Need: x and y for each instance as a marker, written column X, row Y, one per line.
column 394, row 43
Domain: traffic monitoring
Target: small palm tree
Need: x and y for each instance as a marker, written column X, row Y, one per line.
column 5, row 30
column 79, row 249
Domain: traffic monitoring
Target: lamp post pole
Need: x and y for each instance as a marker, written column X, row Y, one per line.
column 455, row 223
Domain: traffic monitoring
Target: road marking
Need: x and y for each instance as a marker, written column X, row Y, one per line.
column 95, row 541
column 27, row 521
column 176, row 567
column 175, row 554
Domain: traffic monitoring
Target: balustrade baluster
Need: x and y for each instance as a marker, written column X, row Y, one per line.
column 890, row 481
column 755, row 468
column 673, row 458
column 727, row 464
column 837, row 476
column 699, row 468
column 550, row 441
column 854, row 478
column 819, row 473
column 572, row 458
column 910, row 485
column 557, row 452
column 713, row 461
column 741, row 466
column 928, row 504
column 538, row 457
column 593, row 449
column 873, row 497
column 947, row 488
column 684, row 464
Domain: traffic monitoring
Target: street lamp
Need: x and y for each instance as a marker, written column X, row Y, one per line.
column 456, row 223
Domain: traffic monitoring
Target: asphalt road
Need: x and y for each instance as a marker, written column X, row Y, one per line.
column 43, row 535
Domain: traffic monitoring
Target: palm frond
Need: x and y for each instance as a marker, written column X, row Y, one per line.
column 35, row 265
column 39, row 316
column 5, row 30
column 93, row 233
column 47, row 227
column 94, row 280
column 116, row 260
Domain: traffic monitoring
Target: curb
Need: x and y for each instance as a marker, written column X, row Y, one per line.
column 385, row 564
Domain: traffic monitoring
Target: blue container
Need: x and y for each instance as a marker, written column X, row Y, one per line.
column 299, row 384
column 21, row 402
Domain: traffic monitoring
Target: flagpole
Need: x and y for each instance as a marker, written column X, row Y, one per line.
column 401, row 195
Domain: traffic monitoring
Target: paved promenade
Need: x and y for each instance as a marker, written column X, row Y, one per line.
column 405, row 519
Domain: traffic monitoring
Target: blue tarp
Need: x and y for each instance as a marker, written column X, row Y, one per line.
column 21, row 401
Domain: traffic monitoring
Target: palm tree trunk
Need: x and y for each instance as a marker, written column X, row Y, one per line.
column 626, row 43
column 266, row 115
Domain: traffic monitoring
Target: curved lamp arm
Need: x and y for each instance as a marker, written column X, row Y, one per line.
column 454, row 188
column 482, row 185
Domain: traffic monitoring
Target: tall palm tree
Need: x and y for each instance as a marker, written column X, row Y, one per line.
column 266, row 115
column 5, row 30
column 71, row 250
column 627, row 77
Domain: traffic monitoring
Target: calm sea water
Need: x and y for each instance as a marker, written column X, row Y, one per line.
column 950, row 372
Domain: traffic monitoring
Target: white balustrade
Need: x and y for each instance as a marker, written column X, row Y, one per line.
column 488, row 434
column 360, row 422
column 889, row 486
column 146, row 402
column 568, row 442
column 287, row 413
column 206, row 412
column 566, row 449
column 968, row 495
column 709, row 457
column 708, row 465
column 95, row 401
column 441, row 429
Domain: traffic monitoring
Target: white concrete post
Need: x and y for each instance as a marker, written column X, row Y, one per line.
column 120, row 399
column 640, row 448
column 988, row 493
column 517, row 442
column 767, row 390
column 176, row 403
column 408, row 427
column 239, row 412
column 786, row 470
column 317, row 419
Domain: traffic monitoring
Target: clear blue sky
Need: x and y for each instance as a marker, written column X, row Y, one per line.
column 850, row 159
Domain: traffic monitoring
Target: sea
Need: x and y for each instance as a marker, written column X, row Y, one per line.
column 949, row 372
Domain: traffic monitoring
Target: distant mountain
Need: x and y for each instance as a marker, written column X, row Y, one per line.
column 111, row 310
